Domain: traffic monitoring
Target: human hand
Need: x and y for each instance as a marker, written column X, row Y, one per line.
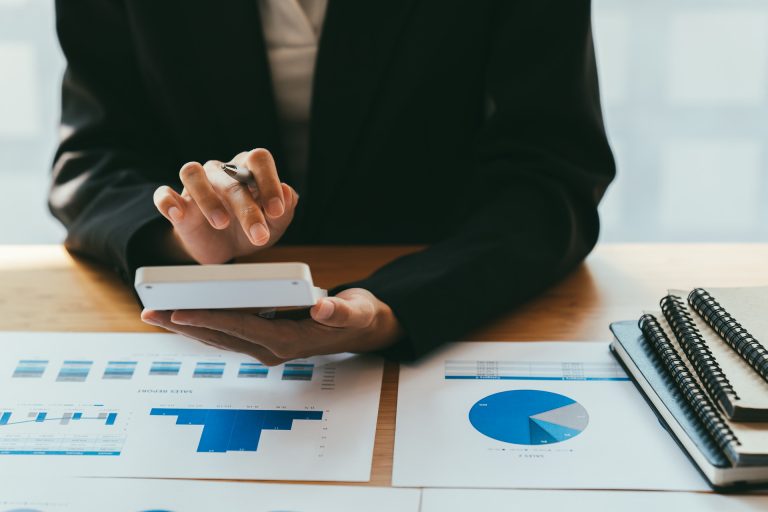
column 352, row 321
column 215, row 218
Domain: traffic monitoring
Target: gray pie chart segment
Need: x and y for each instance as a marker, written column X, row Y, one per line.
column 572, row 416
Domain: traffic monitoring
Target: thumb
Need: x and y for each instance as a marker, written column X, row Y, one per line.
column 357, row 311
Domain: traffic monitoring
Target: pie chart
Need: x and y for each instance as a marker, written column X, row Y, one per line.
column 529, row 417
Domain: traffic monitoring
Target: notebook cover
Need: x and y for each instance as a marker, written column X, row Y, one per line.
column 630, row 337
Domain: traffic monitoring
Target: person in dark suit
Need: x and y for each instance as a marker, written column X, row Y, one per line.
column 473, row 127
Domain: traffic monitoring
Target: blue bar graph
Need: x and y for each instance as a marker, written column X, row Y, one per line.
column 253, row 371
column 30, row 369
column 165, row 368
column 4, row 418
column 235, row 430
column 205, row 370
column 41, row 417
column 119, row 370
column 298, row 371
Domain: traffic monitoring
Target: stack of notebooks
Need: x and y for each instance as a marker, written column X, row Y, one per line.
column 702, row 364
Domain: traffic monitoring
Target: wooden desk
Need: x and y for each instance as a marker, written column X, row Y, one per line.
column 44, row 288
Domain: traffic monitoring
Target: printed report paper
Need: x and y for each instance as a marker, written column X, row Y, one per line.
column 132, row 495
column 480, row 500
column 161, row 405
column 531, row 415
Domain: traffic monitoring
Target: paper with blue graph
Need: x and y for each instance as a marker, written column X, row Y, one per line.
column 535, row 415
column 163, row 495
column 462, row 500
column 160, row 405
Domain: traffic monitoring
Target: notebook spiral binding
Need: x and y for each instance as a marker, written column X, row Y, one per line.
column 694, row 395
column 695, row 347
column 753, row 352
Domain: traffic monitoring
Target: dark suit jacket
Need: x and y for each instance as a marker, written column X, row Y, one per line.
column 473, row 126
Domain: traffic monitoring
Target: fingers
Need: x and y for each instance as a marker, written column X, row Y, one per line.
column 280, row 224
column 292, row 197
column 263, row 168
column 210, row 196
column 196, row 184
column 155, row 317
column 223, row 341
column 240, row 325
column 284, row 339
column 357, row 311
column 241, row 203
column 210, row 337
column 239, row 158
column 169, row 203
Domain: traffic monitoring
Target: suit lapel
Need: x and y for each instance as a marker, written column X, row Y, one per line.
column 355, row 51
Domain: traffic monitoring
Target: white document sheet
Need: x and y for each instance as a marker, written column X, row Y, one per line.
column 161, row 405
column 133, row 495
column 531, row 415
column 497, row 500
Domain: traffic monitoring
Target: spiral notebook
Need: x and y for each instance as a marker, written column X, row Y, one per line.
column 719, row 331
column 702, row 367
column 683, row 407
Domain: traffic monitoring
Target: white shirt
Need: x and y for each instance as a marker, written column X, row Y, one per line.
column 292, row 32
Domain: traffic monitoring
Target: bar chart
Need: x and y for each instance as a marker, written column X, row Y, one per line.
column 85, row 431
column 164, row 406
column 228, row 430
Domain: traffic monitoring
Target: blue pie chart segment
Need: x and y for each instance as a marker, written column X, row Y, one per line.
column 529, row 417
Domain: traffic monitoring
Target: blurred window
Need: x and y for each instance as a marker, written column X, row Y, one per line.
column 685, row 94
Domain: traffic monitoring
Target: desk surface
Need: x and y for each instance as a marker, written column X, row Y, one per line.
column 44, row 288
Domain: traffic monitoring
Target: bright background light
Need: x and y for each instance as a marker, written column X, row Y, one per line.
column 685, row 95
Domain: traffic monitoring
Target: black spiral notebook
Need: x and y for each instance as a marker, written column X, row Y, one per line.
column 699, row 430
column 702, row 367
column 719, row 331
